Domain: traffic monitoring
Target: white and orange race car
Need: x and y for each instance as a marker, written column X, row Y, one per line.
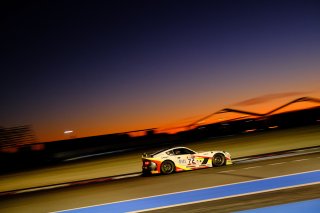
column 178, row 159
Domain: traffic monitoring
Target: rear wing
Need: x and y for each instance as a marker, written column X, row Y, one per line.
column 146, row 155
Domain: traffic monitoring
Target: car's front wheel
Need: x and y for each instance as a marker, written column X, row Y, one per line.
column 167, row 167
column 218, row 160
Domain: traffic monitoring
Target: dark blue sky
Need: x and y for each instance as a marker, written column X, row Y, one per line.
column 123, row 65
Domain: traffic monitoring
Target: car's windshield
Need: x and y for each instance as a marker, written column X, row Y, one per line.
column 177, row 151
column 183, row 151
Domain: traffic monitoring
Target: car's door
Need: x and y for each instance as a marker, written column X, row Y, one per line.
column 186, row 157
column 179, row 157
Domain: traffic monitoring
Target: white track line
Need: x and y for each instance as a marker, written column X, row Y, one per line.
column 221, row 198
column 274, row 164
column 252, row 167
column 304, row 159
column 226, row 171
column 229, row 184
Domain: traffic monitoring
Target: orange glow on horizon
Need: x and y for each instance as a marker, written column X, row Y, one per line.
column 137, row 133
column 83, row 130
column 232, row 115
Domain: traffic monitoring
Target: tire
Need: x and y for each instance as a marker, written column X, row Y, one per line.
column 218, row 160
column 167, row 167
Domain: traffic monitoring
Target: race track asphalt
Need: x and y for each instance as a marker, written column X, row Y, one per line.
column 238, row 146
column 137, row 187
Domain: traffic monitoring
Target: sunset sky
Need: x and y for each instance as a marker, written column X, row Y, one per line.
column 99, row 68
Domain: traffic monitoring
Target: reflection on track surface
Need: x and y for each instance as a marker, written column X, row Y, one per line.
column 96, row 194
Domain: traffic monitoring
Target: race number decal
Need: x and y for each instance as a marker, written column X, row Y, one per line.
column 191, row 160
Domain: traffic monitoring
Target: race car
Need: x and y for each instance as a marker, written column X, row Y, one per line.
column 167, row 161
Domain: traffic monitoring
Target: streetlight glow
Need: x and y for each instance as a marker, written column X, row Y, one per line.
column 68, row 131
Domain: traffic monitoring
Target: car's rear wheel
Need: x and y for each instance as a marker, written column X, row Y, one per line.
column 218, row 160
column 167, row 167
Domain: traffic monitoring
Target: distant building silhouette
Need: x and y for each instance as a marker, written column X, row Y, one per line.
column 15, row 136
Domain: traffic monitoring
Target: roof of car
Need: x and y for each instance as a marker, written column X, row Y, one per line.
column 167, row 149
